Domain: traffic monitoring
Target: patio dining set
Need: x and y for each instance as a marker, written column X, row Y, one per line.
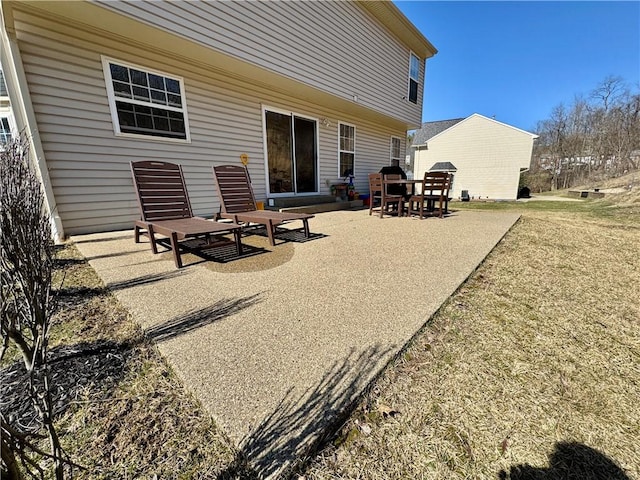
column 398, row 196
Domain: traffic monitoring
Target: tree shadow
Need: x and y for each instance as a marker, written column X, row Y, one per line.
column 69, row 294
column 145, row 280
column 105, row 239
column 74, row 368
column 569, row 461
column 111, row 255
column 199, row 318
column 302, row 424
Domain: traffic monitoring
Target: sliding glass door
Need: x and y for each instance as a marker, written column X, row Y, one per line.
column 292, row 153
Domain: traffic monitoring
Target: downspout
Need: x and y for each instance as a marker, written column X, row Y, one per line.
column 23, row 112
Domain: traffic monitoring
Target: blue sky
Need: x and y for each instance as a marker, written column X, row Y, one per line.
column 518, row 60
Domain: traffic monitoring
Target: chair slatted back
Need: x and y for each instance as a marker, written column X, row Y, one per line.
column 234, row 189
column 375, row 184
column 436, row 183
column 162, row 193
column 391, row 176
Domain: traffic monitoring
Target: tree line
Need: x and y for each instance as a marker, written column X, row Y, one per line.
column 595, row 137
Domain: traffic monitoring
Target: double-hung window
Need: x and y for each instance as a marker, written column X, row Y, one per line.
column 414, row 77
column 145, row 102
column 347, row 149
column 3, row 86
column 395, row 150
column 5, row 131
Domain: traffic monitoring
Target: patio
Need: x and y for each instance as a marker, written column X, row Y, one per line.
column 278, row 351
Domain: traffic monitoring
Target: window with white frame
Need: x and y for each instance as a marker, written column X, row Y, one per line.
column 5, row 130
column 3, row 86
column 414, row 77
column 145, row 102
column 395, row 150
column 347, row 149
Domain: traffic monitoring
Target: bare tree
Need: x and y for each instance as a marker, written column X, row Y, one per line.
column 608, row 91
column 591, row 138
column 26, row 267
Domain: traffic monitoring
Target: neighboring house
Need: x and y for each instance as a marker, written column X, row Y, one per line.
column 488, row 155
column 308, row 90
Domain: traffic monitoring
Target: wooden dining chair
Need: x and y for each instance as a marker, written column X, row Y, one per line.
column 378, row 192
column 435, row 188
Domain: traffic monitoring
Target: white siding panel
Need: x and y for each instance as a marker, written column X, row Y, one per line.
column 488, row 157
column 335, row 46
column 89, row 165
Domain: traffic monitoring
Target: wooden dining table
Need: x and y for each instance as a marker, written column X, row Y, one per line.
column 403, row 181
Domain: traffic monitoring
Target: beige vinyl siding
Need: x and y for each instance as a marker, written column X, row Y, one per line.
column 488, row 156
column 334, row 46
column 89, row 165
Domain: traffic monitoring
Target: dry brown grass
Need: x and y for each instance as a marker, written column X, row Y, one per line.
column 541, row 345
column 122, row 413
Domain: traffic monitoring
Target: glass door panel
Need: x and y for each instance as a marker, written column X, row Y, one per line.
column 305, row 155
column 279, row 152
column 292, row 153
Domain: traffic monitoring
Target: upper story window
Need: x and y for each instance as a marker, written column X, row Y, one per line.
column 347, row 149
column 5, row 131
column 395, row 150
column 3, row 86
column 414, row 77
column 145, row 102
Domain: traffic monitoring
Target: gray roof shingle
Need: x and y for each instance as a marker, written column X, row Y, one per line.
column 431, row 129
column 443, row 167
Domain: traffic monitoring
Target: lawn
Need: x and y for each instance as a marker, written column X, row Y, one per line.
column 531, row 370
column 532, row 365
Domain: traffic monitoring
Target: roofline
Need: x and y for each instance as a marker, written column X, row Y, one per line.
column 532, row 135
column 505, row 124
column 391, row 17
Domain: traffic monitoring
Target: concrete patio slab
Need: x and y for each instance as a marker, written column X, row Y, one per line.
column 277, row 355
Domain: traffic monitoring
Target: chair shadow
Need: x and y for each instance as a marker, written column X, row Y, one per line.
column 569, row 461
column 223, row 253
column 199, row 318
column 284, row 234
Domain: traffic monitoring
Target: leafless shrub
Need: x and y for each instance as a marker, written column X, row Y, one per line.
column 26, row 266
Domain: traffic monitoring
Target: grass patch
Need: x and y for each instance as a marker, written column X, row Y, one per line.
column 529, row 371
column 122, row 413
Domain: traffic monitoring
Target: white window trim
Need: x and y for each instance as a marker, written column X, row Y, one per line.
column 13, row 128
column 114, row 112
column 391, row 157
column 265, row 109
column 347, row 151
column 417, row 80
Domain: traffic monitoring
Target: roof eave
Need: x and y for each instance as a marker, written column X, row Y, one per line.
column 392, row 18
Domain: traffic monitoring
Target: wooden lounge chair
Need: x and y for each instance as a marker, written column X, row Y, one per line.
column 378, row 192
column 435, row 188
column 238, row 203
column 165, row 210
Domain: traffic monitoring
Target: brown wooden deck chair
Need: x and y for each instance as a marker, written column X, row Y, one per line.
column 378, row 191
column 238, row 203
column 165, row 209
column 435, row 188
